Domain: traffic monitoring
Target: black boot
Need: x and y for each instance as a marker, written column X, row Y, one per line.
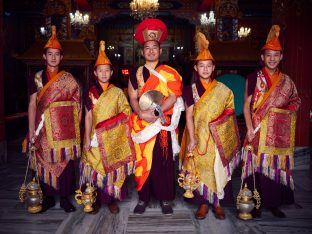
column 66, row 205
column 140, row 207
column 48, row 202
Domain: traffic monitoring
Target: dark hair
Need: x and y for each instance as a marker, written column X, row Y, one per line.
column 110, row 65
column 196, row 61
column 45, row 51
column 262, row 51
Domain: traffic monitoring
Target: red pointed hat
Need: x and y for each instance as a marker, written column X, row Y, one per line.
column 151, row 30
column 102, row 58
column 273, row 42
column 53, row 41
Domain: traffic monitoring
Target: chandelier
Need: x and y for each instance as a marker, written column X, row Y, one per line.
column 204, row 20
column 243, row 32
column 43, row 31
column 142, row 9
column 78, row 19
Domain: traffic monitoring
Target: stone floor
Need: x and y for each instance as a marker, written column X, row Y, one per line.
column 15, row 219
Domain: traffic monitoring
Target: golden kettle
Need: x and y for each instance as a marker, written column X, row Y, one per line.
column 189, row 178
column 87, row 198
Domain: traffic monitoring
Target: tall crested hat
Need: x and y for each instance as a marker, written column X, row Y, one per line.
column 273, row 42
column 202, row 44
column 53, row 41
column 102, row 58
column 151, row 30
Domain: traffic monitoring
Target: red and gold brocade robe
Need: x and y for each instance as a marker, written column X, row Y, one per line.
column 274, row 105
column 144, row 150
column 112, row 155
column 217, row 151
column 57, row 137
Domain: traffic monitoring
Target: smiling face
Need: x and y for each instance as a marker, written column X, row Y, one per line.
column 204, row 68
column 52, row 57
column 151, row 51
column 271, row 59
column 103, row 73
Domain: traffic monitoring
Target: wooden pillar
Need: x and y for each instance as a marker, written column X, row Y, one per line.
column 3, row 148
column 294, row 17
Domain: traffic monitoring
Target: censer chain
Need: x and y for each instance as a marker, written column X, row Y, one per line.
column 256, row 194
column 22, row 190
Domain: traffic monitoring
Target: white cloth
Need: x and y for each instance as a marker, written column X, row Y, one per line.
column 257, row 129
column 153, row 129
column 40, row 126
column 155, row 73
column 94, row 141
column 220, row 175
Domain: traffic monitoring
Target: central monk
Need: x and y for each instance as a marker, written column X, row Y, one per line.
column 155, row 141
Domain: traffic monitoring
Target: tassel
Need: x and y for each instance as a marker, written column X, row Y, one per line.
column 25, row 145
column 110, row 178
column 164, row 143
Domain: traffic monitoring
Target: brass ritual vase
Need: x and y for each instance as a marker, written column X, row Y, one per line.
column 87, row 198
column 188, row 178
column 245, row 203
column 245, row 198
column 32, row 194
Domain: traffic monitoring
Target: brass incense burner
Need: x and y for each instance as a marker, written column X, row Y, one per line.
column 87, row 198
column 32, row 193
column 244, row 200
column 189, row 178
column 245, row 203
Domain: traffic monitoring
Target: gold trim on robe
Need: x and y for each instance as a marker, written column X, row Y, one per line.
column 113, row 159
column 57, row 123
column 273, row 145
column 210, row 114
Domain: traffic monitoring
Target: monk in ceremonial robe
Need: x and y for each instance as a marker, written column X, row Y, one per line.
column 271, row 102
column 53, row 112
column 108, row 148
column 211, row 134
column 155, row 140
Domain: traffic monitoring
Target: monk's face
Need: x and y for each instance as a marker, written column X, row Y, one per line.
column 204, row 68
column 53, row 57
column 103, row 73
column 271, row 59
column 151, row 51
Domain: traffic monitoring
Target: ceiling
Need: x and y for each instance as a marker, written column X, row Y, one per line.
column 248, row 8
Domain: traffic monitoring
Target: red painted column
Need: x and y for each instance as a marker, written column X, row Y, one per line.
column 3, row 153
column 297, row 63
column 296, row 38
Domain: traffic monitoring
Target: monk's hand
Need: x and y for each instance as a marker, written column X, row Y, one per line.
column 250, row 134
column 31, row 136
column 191, row 146
column 148, row 116
column 87, row 144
